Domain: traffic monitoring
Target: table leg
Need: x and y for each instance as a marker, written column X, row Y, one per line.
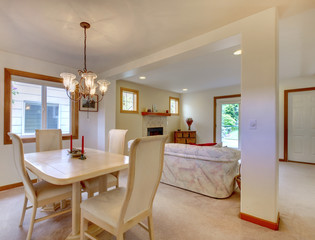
column 76, row 196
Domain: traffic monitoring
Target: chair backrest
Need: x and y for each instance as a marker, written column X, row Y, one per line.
column 145, row 169
column 48, row 139
column 18, row 156
column 116, row 139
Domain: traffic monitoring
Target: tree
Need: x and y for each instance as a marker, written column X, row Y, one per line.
column 232, row 110
column 228, row 120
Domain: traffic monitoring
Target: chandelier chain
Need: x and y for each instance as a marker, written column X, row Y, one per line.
column 84, row 50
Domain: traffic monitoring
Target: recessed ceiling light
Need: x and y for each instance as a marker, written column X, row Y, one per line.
column 238, row 52
column 142, row 77
column 185, row 89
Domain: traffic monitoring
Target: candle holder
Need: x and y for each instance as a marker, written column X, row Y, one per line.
column 76, row 153
column 82, row 157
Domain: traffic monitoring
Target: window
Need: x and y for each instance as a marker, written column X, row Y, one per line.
column 129, row 100
column 35, row 101
column 174, row 105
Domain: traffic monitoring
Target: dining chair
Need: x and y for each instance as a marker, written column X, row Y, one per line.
column 116, row 139
column 39, row 194
column 118, row 210
column 48, row 140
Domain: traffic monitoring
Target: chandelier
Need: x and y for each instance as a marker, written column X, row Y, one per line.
column 86, row 86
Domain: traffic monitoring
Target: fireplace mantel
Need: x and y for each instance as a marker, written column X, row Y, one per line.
column 155, row 114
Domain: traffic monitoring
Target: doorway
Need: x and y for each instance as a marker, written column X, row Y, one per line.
column 227, row 120
column 299, row 125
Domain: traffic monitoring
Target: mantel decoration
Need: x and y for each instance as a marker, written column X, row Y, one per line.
column 189, row 121
column 86, row 87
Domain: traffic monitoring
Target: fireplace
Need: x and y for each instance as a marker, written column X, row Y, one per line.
column 155, row 131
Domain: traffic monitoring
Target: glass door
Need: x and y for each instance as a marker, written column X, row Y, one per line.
column 228, row 122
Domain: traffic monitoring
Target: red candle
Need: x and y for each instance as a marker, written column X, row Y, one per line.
column 71, row 143
column 82, row 145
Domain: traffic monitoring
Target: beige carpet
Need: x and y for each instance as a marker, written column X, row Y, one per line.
column 183, row 215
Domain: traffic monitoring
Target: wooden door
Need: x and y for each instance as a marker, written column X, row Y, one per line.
column 301, row 126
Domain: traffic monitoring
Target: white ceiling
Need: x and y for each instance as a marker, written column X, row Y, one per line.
column 122, row 31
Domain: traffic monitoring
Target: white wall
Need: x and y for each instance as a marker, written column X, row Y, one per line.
column 106, row 114
column 8, row 174
column 199, row 106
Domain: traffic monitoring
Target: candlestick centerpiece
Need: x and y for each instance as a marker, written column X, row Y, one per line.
column 83, row 157
column 76, row 152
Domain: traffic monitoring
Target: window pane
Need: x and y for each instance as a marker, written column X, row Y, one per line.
column 33, row 117
column 230, row 125
column 174, row 106
column 129, row 101
column 58, row 109
column 26, row 108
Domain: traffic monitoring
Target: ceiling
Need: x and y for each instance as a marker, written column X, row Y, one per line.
column 123, row 31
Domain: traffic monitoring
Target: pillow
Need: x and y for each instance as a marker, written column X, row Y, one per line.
column 203, row 144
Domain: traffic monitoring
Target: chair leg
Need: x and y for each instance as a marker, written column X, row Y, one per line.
column 84, row 227
column 23, row 211
column 120, row 236
column 117, row 185
column 63, row 204
column 30, row 230
column 150, row 225
column 90, row 194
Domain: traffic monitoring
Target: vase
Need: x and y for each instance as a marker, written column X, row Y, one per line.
column 189, row 121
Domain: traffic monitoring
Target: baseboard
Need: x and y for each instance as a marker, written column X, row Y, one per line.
column 14, row 185
column 301, row 162
column 260, row 221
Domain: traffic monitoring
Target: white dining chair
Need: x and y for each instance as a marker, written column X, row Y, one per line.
column 118, row 210
column 116, row 139
column 48, row 140
column 39, row 194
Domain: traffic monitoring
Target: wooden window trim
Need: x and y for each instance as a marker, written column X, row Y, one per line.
column 121, row 99
column 215, row 112
column 176, row 99
column 7, row 105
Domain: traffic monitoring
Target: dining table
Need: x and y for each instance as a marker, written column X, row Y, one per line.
column 61, row 168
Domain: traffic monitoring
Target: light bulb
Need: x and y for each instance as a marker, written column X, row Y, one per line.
column 103, row 85
column 67, row 79
column 89, row 79
column 73, row 85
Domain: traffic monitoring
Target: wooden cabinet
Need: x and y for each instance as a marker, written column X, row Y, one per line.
column 185, row 137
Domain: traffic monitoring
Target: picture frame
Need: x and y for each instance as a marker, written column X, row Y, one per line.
column 86, row 106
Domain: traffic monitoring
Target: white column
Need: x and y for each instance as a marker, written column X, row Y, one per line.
column 259, row 102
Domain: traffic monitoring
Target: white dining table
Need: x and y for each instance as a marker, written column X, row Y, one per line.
column 57, row 167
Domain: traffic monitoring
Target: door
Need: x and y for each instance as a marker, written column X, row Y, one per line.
column 301, row 126
column 228, row 122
